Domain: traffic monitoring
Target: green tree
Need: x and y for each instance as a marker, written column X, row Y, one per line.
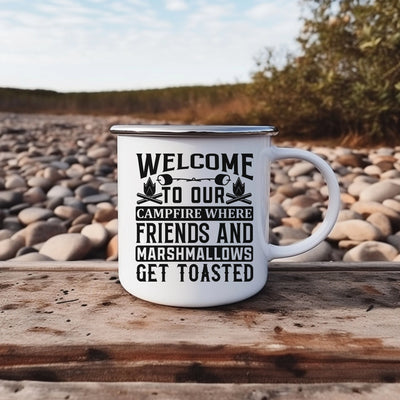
column 346, row 79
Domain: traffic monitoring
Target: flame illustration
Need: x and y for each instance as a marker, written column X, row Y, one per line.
column 149, row 188
column 238, row 187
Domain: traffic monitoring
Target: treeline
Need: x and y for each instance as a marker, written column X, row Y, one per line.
column 343, row 83
column 346, row 79
column 191, row 104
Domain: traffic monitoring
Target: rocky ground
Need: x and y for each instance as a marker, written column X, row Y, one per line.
column 58, row 194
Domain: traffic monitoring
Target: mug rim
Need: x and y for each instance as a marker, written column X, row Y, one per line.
column 193, row 130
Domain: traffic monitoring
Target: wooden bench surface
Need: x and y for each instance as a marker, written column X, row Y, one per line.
column 315, row 329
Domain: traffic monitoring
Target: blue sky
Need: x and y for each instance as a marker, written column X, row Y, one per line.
column 92, row 45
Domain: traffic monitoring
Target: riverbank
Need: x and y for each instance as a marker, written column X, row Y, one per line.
column 59, row 200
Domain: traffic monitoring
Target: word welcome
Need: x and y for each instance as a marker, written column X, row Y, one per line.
column 239, row 164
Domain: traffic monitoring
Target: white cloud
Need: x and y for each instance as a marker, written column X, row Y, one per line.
column 265, row 10
column 176, row 5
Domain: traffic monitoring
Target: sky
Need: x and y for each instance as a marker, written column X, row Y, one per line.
column 95, row 45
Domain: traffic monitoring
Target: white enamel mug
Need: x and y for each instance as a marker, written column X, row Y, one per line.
column 193, row 211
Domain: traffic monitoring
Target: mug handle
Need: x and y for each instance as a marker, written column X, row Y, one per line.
column 274, row 153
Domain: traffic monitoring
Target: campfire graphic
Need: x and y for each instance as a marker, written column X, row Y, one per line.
column 239, row 194
column 149, row 193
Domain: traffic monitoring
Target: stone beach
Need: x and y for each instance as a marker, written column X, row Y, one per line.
column 58, row 194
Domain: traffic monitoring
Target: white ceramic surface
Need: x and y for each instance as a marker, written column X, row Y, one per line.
column 193, row 212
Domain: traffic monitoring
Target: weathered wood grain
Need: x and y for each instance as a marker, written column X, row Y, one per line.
column 149, row 391
column 319, row 325
column 101, row 265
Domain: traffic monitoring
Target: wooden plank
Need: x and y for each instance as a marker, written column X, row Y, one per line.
column 100, row 265
column 335, row 266
column 150, row 391
column 86, row 265
column 326, row 326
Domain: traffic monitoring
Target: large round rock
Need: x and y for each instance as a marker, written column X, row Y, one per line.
column 67, row 247
column 371, row 251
